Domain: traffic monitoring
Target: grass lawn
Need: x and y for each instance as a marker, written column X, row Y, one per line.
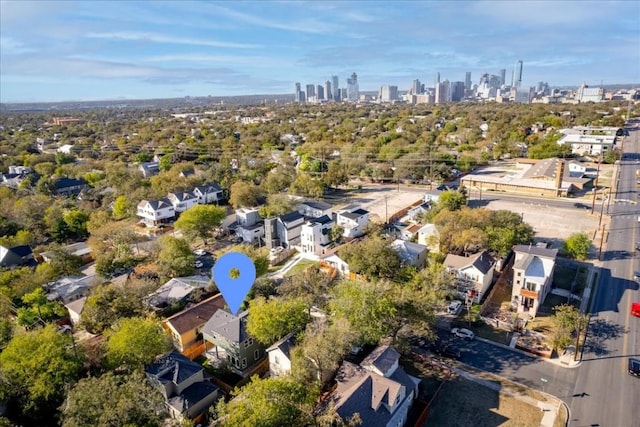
column 301, row 266
column 543, row 323
column 464, row 403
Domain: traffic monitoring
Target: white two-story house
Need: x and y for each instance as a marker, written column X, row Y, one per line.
column 314, row 209
column 474, row 274
column 532, row 277
column 314, row 236
column 208, row 193
column 182, row 201
column 249, row 225
column 154, row 212
column 353, row 221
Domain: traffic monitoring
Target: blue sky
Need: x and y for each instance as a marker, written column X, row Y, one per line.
column 87, row 50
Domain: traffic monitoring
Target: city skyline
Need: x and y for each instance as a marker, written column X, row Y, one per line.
column 57, row 51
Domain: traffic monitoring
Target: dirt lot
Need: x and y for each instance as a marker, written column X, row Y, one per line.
column 464, row 403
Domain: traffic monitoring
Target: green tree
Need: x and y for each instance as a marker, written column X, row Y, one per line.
column 305, row 185
column 270, row 320
column 200, row 221
column 175, row 258
column 113, row 400
column 121, row 207
column 277, row 204
column 38, row 308
column 337, row 174
column 135, row 342
column 244, row 195
column 259, row 256
column 35, row 367
column 269, row 402
column 366, row 307
column 107, row 304
column 577, row 246
column 372, row 257
column 451, row 200
column 7, row 328
column 566, row 319
column 335, row 234
column 310, row 286
column 76, row 221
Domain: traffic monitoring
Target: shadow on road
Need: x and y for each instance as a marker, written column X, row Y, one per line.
column 610, row 292
column 600, row 331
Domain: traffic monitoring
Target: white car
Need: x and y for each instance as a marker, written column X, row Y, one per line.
column 463, row 333
column 454, row 307
column 198, row 264
column 200, row 252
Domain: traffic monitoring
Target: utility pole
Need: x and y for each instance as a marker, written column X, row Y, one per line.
column 595, row 186
column 236, row 135
column 601, row 242
column 601, row 211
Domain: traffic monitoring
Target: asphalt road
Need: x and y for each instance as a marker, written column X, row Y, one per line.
column 605, row 394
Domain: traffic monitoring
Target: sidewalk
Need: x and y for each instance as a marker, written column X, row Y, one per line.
column 563, row 361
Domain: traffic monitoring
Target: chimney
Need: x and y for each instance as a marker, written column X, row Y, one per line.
column 559, row 175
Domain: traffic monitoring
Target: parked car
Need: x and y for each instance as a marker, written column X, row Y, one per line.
column 463, row 333
column 454, row 307
column 635, row 309
column 198, row 264
column 634, row 367
column 636, row 276
column 200, row 252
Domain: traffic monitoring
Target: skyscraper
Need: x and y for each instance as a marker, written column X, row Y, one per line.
column 298, row 92
column 327, row 90
column 443, row 92
column 416, row 87
column 516, row 79
column 311, row 92
column 457, row 91
column 336, row 88
column 319, row 93
column 437, row 79
column 353, row 93
column 388, row 93
column 467, row 80
column 503, row 76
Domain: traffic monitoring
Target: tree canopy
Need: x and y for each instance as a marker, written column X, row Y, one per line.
column 272, row 319
column 135, row 342
column 577, row 246
column 200, row 221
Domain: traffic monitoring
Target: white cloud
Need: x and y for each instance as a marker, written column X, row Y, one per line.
column 159, row 38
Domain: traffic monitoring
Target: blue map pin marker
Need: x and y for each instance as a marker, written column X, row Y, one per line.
column 234, row 291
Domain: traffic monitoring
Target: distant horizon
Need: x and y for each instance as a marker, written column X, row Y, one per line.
column 52, row 51
column 246, row 95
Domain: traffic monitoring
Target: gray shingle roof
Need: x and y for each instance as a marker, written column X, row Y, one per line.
column 172, row 367
column 534, row 250
column 227, row 325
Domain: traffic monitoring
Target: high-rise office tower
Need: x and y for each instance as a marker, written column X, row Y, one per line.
column 457, row 91
column 353, row 92
column 494, row 81
column 503, row 76
column 467, row 80
column 327, row 90
column 443, row 92
column 319, row 92
column 516, row 79
column 388, row 93
column 437, row 79
column 336, row 88
column 343, row 93
column 298, row 92
column 416, row 87
column 311, row 92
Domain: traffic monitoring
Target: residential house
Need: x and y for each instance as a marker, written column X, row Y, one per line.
column 75, row 310
column 149, row 169
column 80, row 249
column 16, row 256
column 532, row 277
column 283, row 230
column 185, row 326
column 474, row 274
column 415, row 213
column 249, row 225
column 378, row 389
column 429, row 236
column 231, row 342
column 15, row 176
column 280, row 356
column 314, row 235
column 576, row 169
column 182, row 201
column 432, row 196
column 182, row 382
column 406, row 232
column 20, row 170
column 334, row 261
column 176, row 290
column 69, row 186
column 72, row 288
column 208, row 193
column 314, row 209
column 353, row 220
column 411, row 254
column 187, row 173
column 154, row 212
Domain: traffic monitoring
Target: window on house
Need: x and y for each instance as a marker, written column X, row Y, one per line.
column 250, row 340
column 276, row 360
column 519, row 273
column 244, row 362
column 256, row 354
